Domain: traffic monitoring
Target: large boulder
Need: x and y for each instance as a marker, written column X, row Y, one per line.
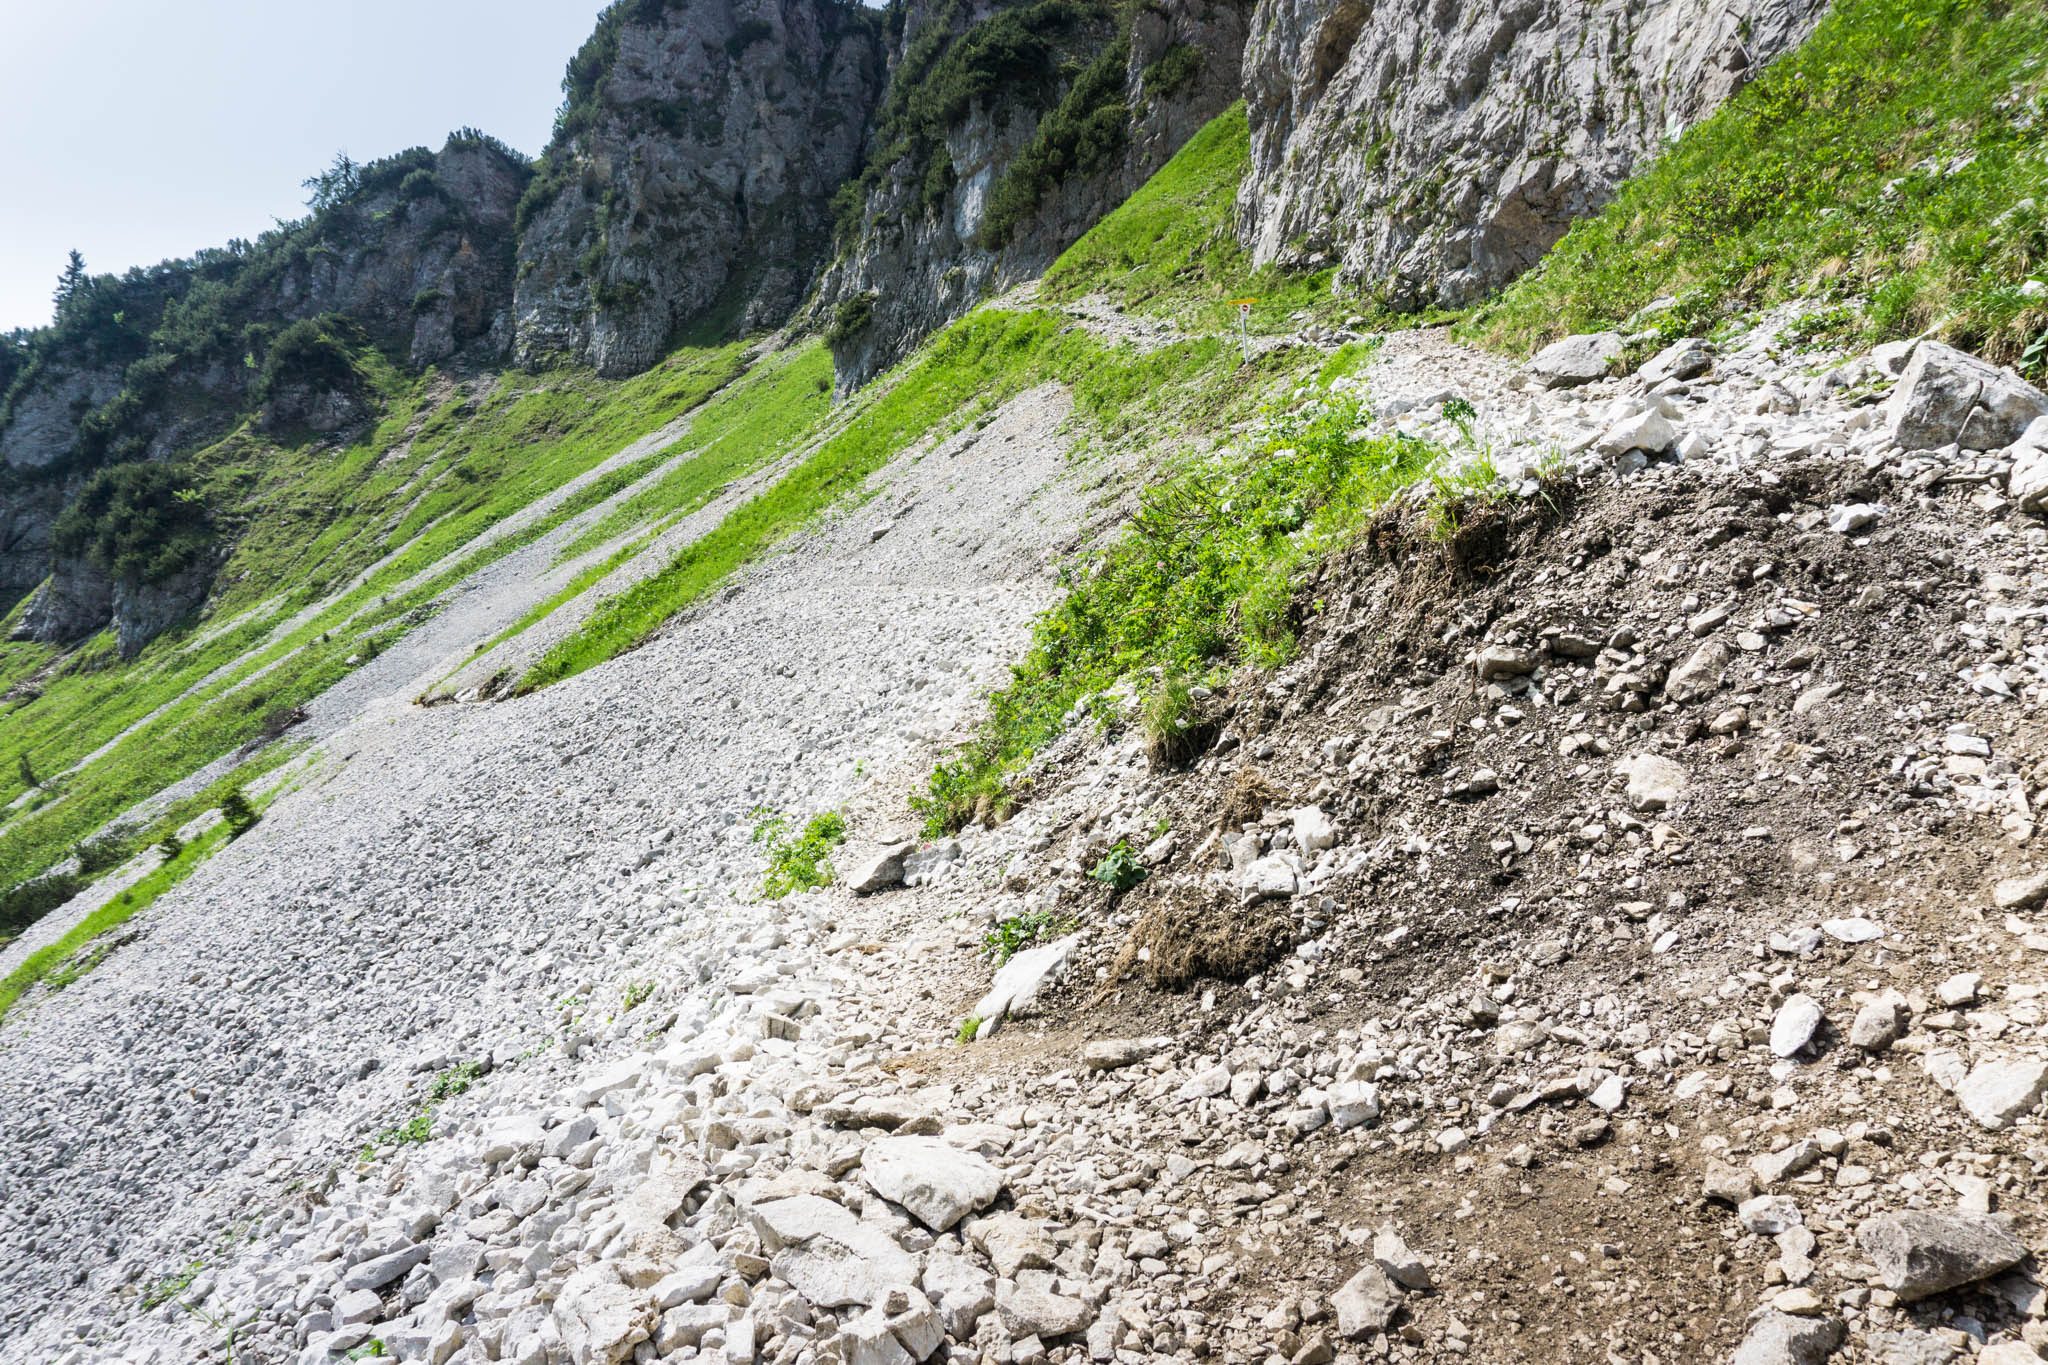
column 828, row 1254
column 1918, row 1253
column 937, row 1182
column 1576, row 360
column 1948, row 397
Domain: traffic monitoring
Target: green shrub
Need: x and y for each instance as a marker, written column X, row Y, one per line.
column 144, row 522
column 107, row 851
column 240, row 815
column 798, row 861
column 850, row 319
column 313, row 353
column 1083, row 134
column 170, row 847
column 1175, row 70
column 24, row 904
column 1119, row 869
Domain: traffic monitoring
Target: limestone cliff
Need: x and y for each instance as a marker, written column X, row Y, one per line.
column 1007, row 132
column 691, row 176
column 411, row 254
column 1431, row 150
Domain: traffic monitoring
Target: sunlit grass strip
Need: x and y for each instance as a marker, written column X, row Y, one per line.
column 50, row 960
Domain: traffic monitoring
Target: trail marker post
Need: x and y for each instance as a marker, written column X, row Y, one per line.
column 1244, row 326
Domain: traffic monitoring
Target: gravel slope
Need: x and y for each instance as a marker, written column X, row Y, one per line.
column 454, row 871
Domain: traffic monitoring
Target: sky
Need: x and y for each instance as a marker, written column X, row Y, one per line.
column 140, row 130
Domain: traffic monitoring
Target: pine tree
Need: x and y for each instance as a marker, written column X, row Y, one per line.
column 238, row 813
column 72, row 281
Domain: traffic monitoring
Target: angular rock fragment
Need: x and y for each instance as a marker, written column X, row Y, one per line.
column 1776, row 1338
column 1949, row 397
column 827, row 1253
column 1997, row 1093
column 1576, row 360
column 938, row 1183
column 1654, row 782
column 1366, row 1303
column 1795, row 1023
column 1918, row 1252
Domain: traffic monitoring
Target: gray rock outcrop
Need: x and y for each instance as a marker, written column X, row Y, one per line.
column 76, row 600
column 918, row 260
column 692, row 180
column 1430, row 151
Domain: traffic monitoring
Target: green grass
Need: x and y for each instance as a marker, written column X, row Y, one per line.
column 798, row 859
column 751, row 423
column 313, row 517
column 1171, row 248
column 1899, row 156
column 970, row 368
column 1201, row 579
column 70, row 957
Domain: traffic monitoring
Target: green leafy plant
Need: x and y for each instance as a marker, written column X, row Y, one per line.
column 1011, row 936
column 420, row 1127
column 1119, row 868
column 636, row 995
column 968, row 1028
column 171, row 1286
column 798, row 859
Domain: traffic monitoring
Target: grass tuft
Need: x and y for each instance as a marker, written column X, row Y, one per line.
column 798, row 860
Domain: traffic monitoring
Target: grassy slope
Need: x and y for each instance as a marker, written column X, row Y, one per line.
column 1201, row 578
column 1167, row 250
column 1171, row 248
column 64, row 961
column 316, row 516
column 1899, row 155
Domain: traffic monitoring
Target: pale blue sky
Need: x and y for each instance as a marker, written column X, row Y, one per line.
column 137, row 130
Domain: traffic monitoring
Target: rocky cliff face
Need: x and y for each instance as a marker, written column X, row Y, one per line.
column 953, row 208
column 1432, row 150
column 692, row 178
column 412, row 254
